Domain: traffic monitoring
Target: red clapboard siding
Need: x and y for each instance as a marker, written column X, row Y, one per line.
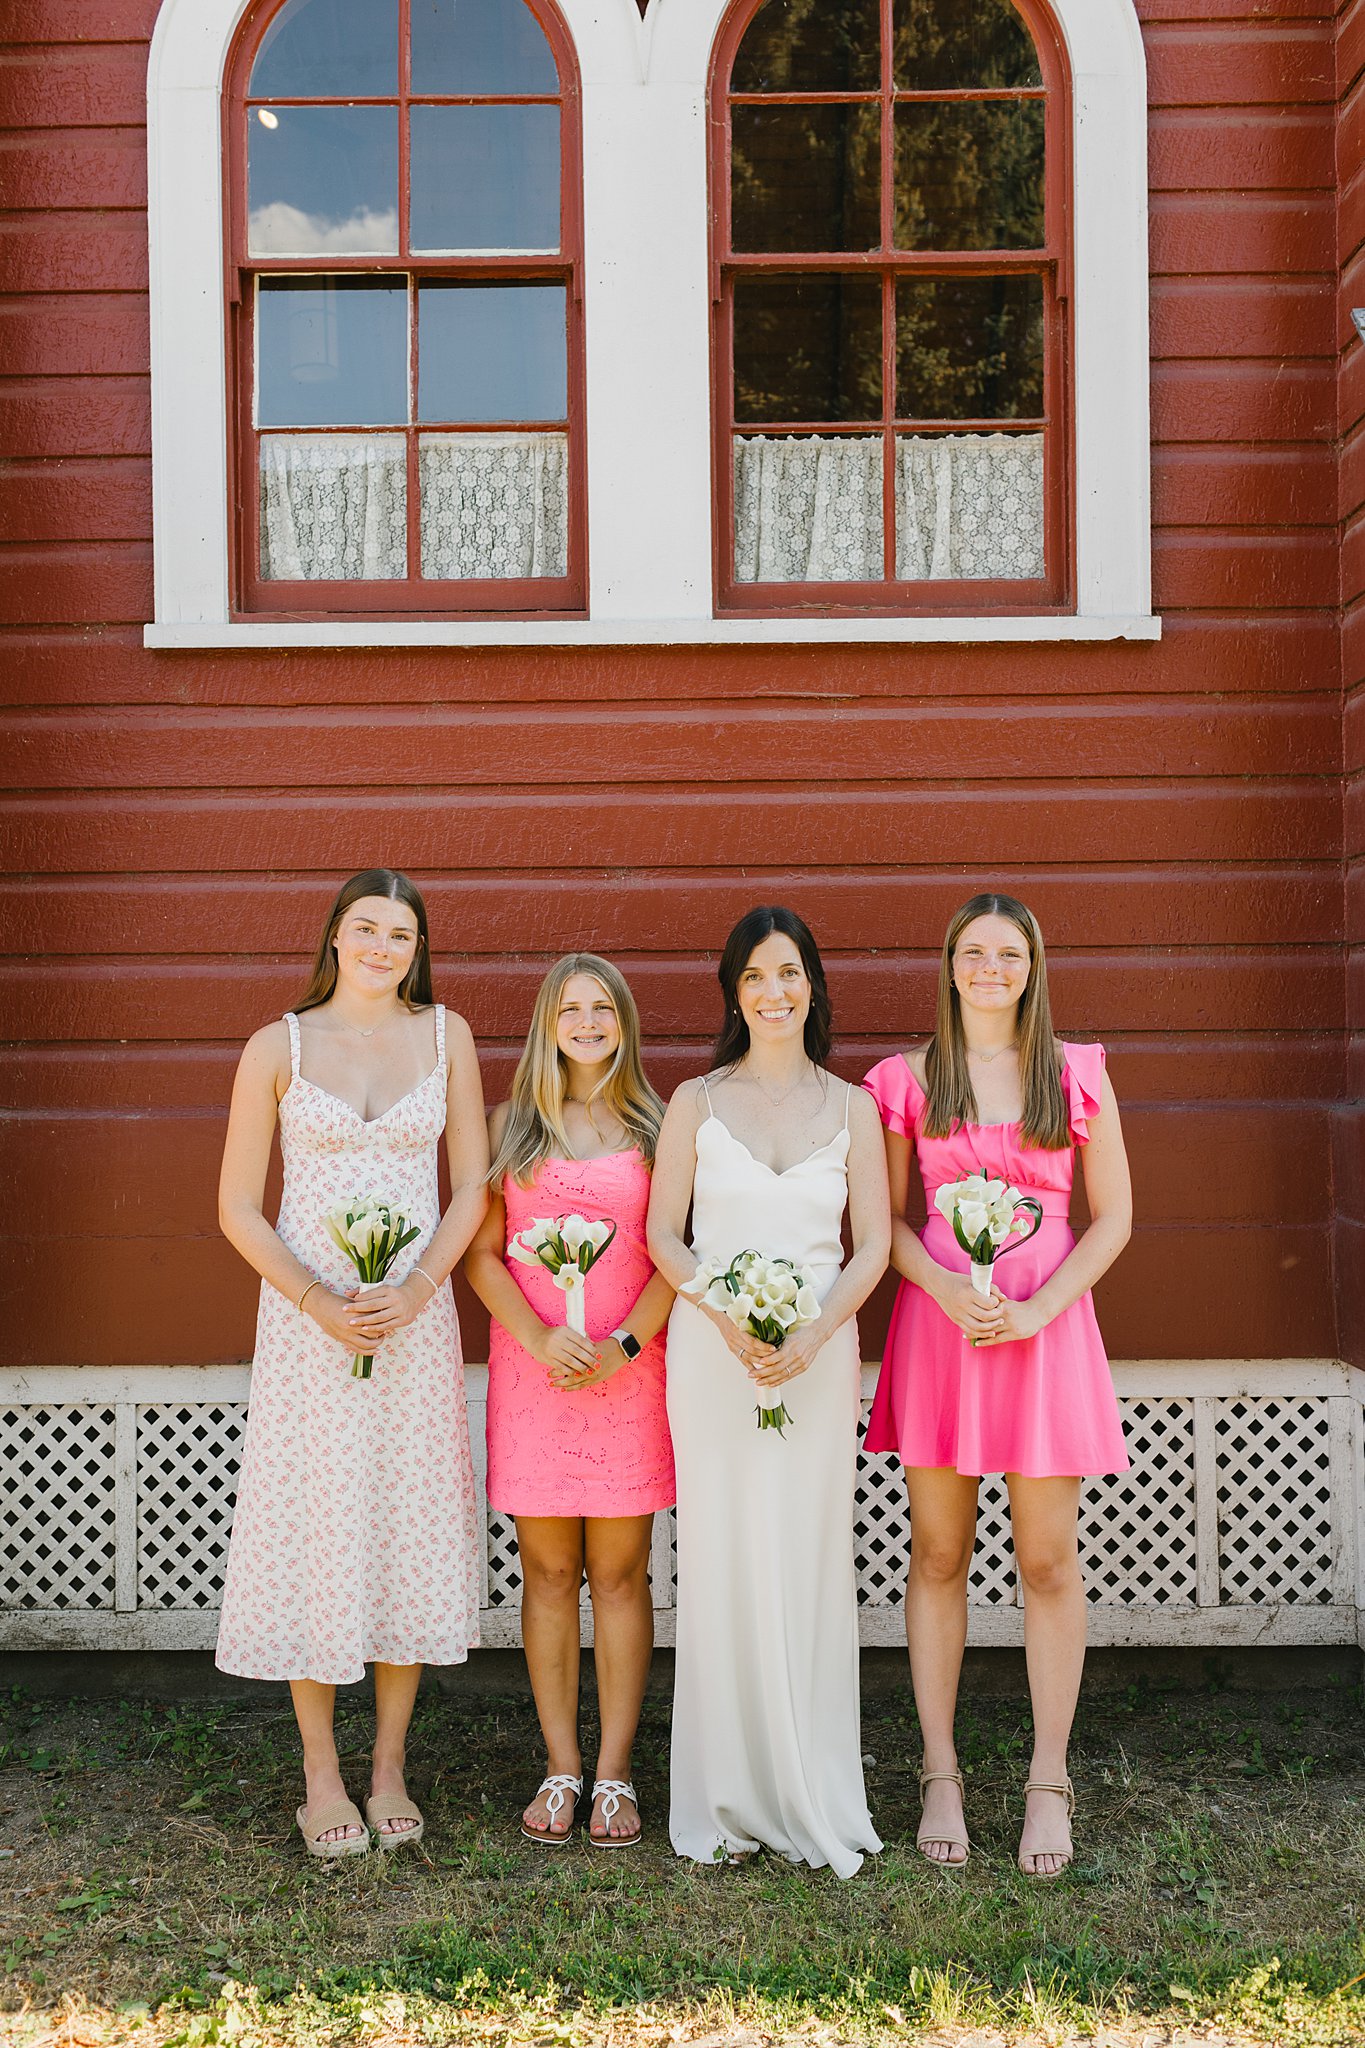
column 1241, row 63
column 1351, row 478
column 87, row 21
column 997, row 829
column 74, row 168
column 1245, row 233
column 1234, row 570
column 1263, row 402
column 682, row 913
column 74, row 252
column 1232, row 10
column 1216, row 318
column 109, row 580
column 98, row 416
column 1193, row 149
column 1239, row 486
column 1254, row 654
column 69, row 85
column 1176, row 990
column 1350, row 47
column 76, row 500
column 331, row 748
column 75, row 334
column 1215, row 1068
column 157, row 1176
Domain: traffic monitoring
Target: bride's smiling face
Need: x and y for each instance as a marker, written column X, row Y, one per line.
column 774, row 991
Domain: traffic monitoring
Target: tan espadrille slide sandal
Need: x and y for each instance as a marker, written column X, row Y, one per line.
column 341, row 1813
column 382, row 1806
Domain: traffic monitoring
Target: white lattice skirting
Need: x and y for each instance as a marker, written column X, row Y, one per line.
column 1241, row 1522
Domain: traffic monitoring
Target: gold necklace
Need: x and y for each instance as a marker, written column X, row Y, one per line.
column 987, row 1057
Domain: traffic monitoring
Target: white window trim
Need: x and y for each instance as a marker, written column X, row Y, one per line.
column 647, row 308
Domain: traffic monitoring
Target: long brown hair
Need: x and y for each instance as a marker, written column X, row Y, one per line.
column 415, row 987
column 534, row 1130
column 948, row 1084
column 732, row 1041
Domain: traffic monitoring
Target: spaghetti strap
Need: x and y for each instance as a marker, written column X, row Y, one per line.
column 440, row 1034
column 848, row 1097
column 292, row 1021
column 710, row 1106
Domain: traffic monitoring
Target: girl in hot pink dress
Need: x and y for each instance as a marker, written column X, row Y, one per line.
column 1017, row 1382
column 578, row 1443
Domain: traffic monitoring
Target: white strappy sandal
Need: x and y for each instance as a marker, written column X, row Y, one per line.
column 611, row 1792
column 561, row 1788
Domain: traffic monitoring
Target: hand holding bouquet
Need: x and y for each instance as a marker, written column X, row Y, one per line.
column 767, row 1298
column 568, row 1247
column 985, row 1215
column 371, row 1232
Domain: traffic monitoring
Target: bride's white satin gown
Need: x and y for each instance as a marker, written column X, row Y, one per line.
column 766, row 1738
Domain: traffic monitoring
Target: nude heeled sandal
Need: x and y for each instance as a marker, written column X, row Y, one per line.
column 953, row 1841
column 1068, row 1792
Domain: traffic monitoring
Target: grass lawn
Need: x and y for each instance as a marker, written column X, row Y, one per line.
column 155, row 1890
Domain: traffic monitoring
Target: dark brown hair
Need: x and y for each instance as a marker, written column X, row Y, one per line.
column 948, row 1084
column 753, row 928
column 415, row 987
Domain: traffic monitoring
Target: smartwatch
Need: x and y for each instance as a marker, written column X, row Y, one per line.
column 630, row 1345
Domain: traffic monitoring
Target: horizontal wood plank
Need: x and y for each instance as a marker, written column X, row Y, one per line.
column 83, row 21
column 895, row 908
column 102, row 168
column 1270, row 233
column 1198, row 149
column 1240, row 570
column 1257, row 402
column 1222, row 317
column 1240, row 63
column 46, row 335
column 76, row 500
column 207, row 999
column 990, row 829
column 77, row 580
column 68, row 416
column 74, row 85
column 73, row 252
column 1240, row 486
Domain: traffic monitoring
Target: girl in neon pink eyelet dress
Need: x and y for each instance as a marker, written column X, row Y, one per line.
column 1040, row 1407
column 1016, row 1381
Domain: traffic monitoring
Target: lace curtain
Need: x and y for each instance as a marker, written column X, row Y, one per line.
column 809, row 510
column 334, row 506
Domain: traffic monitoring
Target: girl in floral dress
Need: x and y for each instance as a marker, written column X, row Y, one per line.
column 1016, row 1382
column 578, row 1443
column 355, row 1534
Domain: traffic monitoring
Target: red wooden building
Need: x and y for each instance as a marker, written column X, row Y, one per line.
column 620, row 469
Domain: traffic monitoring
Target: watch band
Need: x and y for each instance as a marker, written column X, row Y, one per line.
column 630, row 1345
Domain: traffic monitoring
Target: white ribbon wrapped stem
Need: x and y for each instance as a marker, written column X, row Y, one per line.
column 576, row 1304
column 981, row 1279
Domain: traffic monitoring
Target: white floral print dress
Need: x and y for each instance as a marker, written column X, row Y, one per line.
column 356, row 1528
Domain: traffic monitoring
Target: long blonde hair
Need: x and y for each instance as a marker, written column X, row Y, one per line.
column 948, row 1083
column 534, row 1130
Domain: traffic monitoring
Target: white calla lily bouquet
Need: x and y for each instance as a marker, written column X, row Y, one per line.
column 568, row 1247
column 985, row 1216
column 371, row 1232
column 767, row 1298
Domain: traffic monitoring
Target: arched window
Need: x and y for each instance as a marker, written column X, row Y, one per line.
column 405, row 330
column 890, row 207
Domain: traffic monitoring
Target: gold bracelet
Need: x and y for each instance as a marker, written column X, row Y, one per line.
column 434, row 1285
column 306, row 1292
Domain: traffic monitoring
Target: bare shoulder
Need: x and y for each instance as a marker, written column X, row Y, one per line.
column 915, row 1057
column 864, row 1118
column 497, row 1123
column 267, row 1048
column 687, row 1103
column 459, row 1037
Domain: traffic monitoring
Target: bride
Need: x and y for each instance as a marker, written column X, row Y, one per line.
column 768, row 1150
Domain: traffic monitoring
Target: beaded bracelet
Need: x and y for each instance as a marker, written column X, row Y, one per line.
column 306, row 1292
column 434, row 1285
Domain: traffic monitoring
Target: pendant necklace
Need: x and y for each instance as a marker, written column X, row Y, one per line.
column 987, row 1057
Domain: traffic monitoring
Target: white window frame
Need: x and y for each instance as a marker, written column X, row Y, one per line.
column 647, row 310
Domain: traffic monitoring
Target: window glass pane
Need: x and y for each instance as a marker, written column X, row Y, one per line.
column 494, row 504
column 333, row 507
column 969, row 505
column 322, row 181
column 492, row 352
column 485, row 178
column 805, row 178
column 808, row 510
column 969, row 175
column 810, row 46
column 808, row 348
column 328, row 49
column 969, row 348
column 331, row 352
column 480, row 46
column 957, row 43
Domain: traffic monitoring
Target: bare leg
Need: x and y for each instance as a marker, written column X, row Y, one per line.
column 942, row 1532
column 551, row 1549
column 623, row 1617
column 395, row 1691
column 1044, row 1514
column 314, row 1710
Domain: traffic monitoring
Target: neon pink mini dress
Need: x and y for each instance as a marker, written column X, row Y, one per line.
column 1044, row 1407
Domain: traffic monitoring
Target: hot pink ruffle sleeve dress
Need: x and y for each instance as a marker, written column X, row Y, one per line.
column 601, row 1450
column 1041, row 1408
